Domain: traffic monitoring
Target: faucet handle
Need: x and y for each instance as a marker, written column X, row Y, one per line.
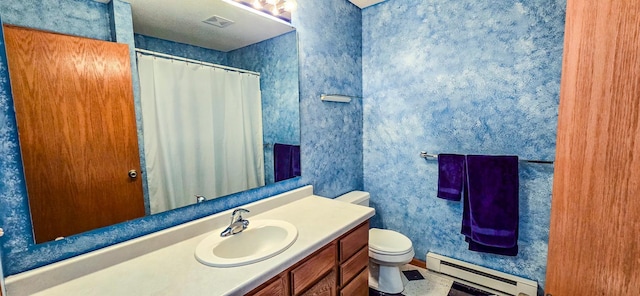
column 238, row 211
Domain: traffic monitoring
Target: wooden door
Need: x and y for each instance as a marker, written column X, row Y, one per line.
column 594, row 243
column 74, row 108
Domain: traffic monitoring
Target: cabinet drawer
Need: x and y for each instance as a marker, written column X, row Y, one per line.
column 353, row 241
column 359, row 286
column 354, row 265
column 313, row 268
column 326, row 287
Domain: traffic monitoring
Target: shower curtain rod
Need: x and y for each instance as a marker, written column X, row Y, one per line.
column 164, row 55
column 430, row 156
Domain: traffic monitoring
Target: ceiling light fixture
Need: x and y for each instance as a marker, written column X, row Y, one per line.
column 279, row 8
column 290, row 5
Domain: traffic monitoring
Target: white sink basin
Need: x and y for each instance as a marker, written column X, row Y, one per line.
column 263, row 239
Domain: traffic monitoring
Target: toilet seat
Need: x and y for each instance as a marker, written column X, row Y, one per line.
column 378, row 252
column 388, row 250
column 388, row 242
column 392, row 260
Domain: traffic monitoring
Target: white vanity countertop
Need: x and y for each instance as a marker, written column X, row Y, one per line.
column 173, row 270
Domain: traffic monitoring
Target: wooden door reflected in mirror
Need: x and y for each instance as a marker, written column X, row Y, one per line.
column 78, row 138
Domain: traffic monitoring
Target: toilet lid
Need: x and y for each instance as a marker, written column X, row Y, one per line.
column 388, row 241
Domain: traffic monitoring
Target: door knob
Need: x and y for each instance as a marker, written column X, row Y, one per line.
column 133, row 174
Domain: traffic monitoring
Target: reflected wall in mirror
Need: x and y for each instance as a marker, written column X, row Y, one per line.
column 226, row 35
column 275, row 58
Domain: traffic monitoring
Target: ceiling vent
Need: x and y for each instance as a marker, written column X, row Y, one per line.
column 365, row 3
column 218, row 21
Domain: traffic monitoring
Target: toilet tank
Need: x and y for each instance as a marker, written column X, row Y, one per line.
column 355, row 197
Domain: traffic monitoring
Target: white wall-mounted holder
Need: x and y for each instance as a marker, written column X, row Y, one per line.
column 335, row 98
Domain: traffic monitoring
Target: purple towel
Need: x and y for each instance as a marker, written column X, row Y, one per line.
column 295, row 161
column 281, row 162
column 286, row 161
column 450, row 176
column 473, row 246
column 490, row 215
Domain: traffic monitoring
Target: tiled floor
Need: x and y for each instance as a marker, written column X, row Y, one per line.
column 421, row 283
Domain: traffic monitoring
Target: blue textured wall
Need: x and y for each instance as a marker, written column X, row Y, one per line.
column 121, row 25
column 74, row 17
column 463, row 76
column 14, row 207
column 276, row 60
column 330, row 41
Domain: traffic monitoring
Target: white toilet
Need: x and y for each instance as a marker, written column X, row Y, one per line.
column 388, row 250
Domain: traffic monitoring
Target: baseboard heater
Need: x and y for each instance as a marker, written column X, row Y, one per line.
column 476, row 276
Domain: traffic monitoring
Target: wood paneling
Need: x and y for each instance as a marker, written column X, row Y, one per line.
column 74, row 108
column 594, row 245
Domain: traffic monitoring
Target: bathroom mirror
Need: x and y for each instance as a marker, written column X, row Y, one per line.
column 227, row 33
column 280, row 110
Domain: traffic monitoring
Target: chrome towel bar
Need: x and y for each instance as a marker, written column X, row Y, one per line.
column 431, row 156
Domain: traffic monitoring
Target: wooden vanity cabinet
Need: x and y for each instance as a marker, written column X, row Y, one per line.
column 338, row 268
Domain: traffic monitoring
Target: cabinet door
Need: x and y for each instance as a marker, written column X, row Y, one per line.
column 594, row 244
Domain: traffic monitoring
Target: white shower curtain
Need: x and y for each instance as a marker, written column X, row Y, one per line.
column 202, row 131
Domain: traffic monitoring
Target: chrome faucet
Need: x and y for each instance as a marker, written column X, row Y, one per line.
column 238, row 224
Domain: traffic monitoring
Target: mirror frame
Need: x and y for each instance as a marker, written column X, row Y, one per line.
column 19, row 251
